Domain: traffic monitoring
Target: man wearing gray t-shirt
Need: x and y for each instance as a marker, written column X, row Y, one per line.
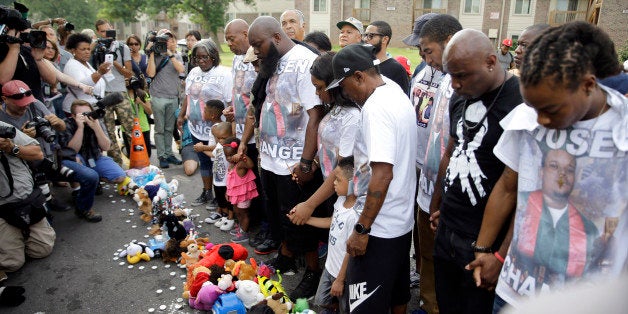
column 121, row 70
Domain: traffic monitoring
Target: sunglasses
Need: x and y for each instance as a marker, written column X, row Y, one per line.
column 21, row 95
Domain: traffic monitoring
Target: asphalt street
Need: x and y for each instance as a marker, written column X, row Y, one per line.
column 84, row 274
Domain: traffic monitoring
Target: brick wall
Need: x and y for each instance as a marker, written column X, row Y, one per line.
column 614, row 22
column 541, row 12
column 400, row 19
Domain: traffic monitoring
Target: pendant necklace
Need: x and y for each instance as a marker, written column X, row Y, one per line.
column 468, row 130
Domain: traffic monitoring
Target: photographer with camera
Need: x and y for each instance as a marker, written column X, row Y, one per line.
column 24, row 112
column 141, row 108
column 164, row 66
column 22, row 53
column 85, row 135
column 80, row 69
column 105, row 49
column 23, row 228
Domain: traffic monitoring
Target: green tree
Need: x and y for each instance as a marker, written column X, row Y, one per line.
column 81, row 13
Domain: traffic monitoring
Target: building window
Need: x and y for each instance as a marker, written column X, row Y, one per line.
column 432, row 4
column 522, row 6
column 472, row 6
column 320, row 5
column 264, row 14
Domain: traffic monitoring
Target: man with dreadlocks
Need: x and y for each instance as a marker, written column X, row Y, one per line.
column 569, row 114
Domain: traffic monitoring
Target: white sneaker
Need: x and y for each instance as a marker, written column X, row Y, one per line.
column 220, row 222
column 213, row 218
column 227, row 225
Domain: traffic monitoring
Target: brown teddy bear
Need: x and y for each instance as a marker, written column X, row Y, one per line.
column 144, row 203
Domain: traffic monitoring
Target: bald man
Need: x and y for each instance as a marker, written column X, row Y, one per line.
column 241, row 112
column 484, row 93
column 293, row 24
column 287, row 126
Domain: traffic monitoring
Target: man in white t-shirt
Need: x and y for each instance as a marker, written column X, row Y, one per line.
column 288, row 125
column 387, row 137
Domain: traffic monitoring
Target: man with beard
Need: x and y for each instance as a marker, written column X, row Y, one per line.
column 379, row 34
column 290, row 155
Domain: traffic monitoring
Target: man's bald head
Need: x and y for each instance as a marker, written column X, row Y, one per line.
column 468, row 43
column 265, row 26
column 237, row 25
column 471, row 60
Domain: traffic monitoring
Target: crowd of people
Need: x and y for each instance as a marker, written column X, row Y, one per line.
column 508, row 172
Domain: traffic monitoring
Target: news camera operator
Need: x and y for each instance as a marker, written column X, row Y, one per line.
column 164, row 66
column 23, row 228
column 120, row 54
column 29, row 115
column 85, row 135
column 22, row 53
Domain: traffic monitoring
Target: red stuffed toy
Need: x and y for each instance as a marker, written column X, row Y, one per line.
column 218, row 254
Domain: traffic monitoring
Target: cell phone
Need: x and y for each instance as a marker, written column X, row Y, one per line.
column 109, row 58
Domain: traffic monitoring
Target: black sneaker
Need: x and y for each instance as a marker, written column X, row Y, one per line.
column 89, row 216
column 58, row 205
column 203, row 198
column 163, row 163
column 307, row 287
column 285, row 265
column 267, row 247
column 99, row 189
column 259, row 238
column 173, row 160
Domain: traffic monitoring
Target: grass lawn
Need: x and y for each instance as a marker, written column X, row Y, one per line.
column 226, row 56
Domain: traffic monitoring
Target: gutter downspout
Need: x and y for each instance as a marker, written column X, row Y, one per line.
column 501, row 23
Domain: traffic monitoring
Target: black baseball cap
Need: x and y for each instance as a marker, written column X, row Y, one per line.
column 413, row 39
column 352, row 58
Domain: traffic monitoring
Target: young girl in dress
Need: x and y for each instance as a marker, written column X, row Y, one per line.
column 240, row 186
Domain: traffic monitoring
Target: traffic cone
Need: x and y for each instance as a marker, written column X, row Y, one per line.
column 138, row 158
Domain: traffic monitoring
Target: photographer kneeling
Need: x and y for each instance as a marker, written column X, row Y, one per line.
column 29, row 115
column 23, row 228
column 85, row 135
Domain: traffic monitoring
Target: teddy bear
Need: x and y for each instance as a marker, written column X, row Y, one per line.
column 209, row 293
column 245, row 271
column 136, row 252
column 278, row 307
column 192, row 255
column 248, row 292
column 144, row 203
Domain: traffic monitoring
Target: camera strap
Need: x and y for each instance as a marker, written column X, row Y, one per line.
column 163, row 63
column 7, row 171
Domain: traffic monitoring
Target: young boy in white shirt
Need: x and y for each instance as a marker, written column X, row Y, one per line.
column 331, row 287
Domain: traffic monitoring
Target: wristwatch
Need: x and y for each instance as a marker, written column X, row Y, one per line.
column 361, row 229
column 481, row 249
column 15, row 150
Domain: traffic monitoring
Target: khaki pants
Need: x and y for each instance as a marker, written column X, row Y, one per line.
column 14, row 248
column 426, row 243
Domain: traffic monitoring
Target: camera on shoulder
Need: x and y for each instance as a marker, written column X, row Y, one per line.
column 160, row 43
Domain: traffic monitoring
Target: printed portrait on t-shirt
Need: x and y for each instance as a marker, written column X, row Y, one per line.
column 244, row 77
column 572, row 196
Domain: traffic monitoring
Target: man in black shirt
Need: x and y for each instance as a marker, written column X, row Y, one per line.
column 379, row 34
column 483, row 94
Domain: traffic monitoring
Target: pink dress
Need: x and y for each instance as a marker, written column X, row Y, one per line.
column 241, row 189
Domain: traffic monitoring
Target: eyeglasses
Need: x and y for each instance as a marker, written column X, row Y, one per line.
column 133, row 44
column 21, row 95
column 199, row 58
column 371, row 35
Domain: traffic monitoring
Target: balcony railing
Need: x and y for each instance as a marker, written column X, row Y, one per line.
column 362, row 14
column 419, row 12
column 561, row 17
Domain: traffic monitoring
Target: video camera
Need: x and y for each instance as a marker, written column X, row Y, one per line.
column 109, row 100
column 7, row 132
column 160, row 43
column 43, row 129
column 36, row 39
column 104, row 46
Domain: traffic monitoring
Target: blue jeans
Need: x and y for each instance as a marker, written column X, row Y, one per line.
column 165, row 118
column 499, row 304
column 89, row 177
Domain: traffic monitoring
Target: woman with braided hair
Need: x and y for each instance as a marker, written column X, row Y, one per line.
column 566, row 210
